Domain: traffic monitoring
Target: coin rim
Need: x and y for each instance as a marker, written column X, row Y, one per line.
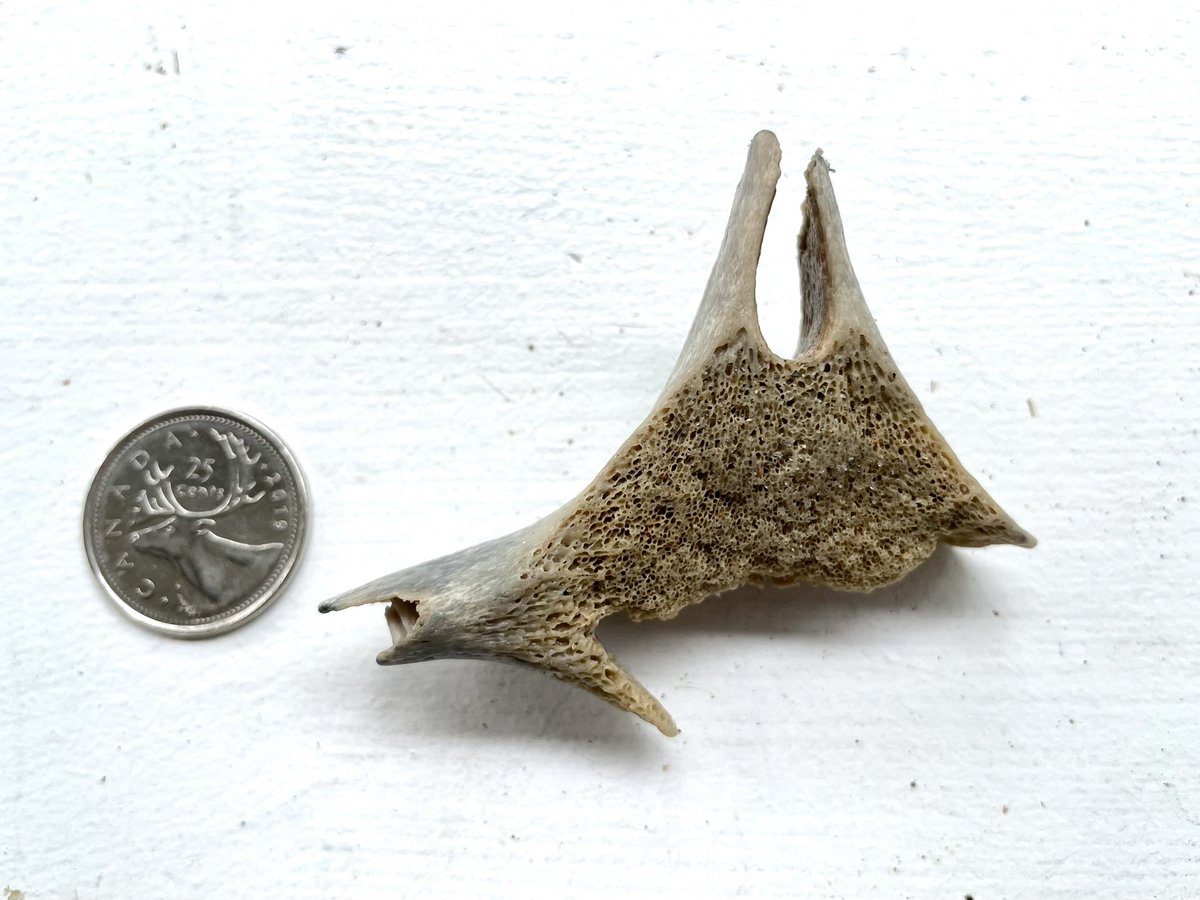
column 209, row 629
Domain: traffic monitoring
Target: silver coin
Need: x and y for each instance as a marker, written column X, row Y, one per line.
column 195, row 521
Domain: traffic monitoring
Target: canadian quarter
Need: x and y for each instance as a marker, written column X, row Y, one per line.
column 195, row 521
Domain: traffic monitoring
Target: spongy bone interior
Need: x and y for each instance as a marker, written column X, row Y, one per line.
column 762, row 468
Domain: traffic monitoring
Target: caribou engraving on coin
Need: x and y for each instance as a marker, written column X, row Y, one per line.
column 221, row 568
column 195, row 521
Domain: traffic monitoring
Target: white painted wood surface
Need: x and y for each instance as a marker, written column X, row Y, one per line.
column 450, row 253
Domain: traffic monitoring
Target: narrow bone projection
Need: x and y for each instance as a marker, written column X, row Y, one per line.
column 751, row 467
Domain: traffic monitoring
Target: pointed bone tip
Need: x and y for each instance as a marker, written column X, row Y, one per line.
column 1015, row 535
column 1024, row 539
column 765, row 141
column 356, row 597
column 382, row 590
column 762, row 161
column 344, row 601
column 1004, row 531
column 386, row 657
column 818, row 165
column 655, row 714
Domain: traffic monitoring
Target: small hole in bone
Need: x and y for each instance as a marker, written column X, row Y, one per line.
column 401, row 616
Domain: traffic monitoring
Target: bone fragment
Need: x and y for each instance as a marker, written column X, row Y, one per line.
column 822, row 468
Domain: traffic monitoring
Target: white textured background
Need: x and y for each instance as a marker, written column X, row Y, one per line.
column 452, row 264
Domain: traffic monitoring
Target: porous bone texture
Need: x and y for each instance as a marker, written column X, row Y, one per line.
column 762, row 468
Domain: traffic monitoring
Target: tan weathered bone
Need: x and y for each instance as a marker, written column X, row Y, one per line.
column 823, row 468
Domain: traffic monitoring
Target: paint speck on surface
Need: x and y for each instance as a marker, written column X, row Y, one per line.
column 340, row 50
column 933, row 386
column 13, row 894
column 578, row 257
column 1032, row 408
column 1004, row 809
